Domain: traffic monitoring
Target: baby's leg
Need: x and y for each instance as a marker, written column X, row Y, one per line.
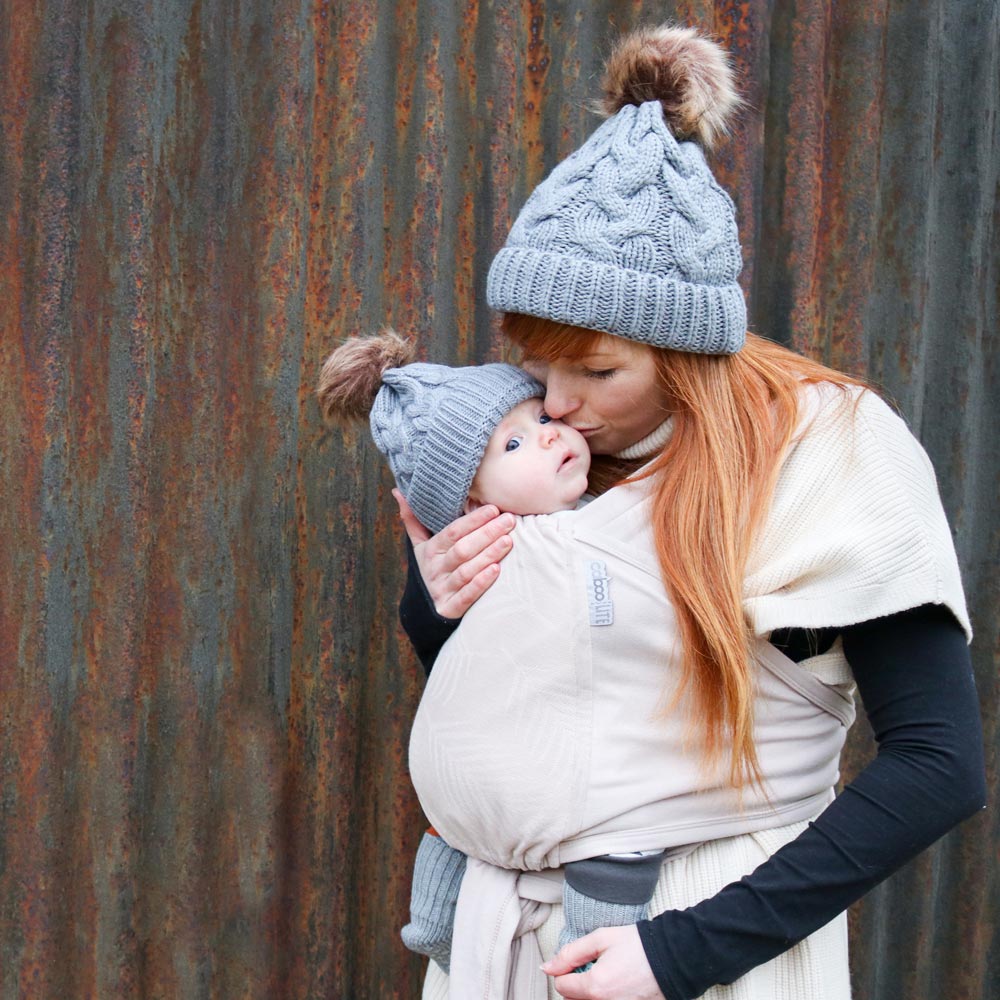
column 610, row 891
column 437, row 875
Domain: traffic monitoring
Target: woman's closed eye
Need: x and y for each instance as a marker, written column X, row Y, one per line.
column 601, row 373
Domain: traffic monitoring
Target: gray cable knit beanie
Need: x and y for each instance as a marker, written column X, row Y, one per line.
column 631, row 234
column 430, row 421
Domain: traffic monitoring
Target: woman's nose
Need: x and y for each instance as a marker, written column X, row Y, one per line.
column 558, row 401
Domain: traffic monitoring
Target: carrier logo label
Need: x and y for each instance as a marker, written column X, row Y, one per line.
column 602, row 610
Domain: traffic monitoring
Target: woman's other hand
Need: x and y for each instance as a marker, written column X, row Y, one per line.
column 620, row 972
column 460, row 563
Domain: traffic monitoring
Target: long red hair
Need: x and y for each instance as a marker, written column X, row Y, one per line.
column 734, row 417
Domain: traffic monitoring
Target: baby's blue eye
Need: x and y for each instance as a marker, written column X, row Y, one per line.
column 513, row 444
column 544, row 418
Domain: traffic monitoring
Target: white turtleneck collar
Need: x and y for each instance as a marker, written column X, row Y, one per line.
column 651, row 444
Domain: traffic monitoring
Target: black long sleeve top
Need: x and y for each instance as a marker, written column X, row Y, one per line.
column 915, row 680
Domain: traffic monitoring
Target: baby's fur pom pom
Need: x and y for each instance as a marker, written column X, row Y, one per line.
column 352, row 374
column 686, row 72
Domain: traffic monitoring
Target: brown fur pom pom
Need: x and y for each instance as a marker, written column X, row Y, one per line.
column 686, row 72
column 352, row 374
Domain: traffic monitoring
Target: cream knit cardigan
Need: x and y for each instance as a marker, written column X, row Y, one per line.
column 856, row 531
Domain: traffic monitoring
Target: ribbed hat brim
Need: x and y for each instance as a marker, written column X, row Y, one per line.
column 651, row 309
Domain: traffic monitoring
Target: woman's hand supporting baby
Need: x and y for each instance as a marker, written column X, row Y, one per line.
column 622, row 972
column 460, row 563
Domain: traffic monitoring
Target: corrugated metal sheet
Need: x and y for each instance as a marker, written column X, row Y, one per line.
column 204, row 702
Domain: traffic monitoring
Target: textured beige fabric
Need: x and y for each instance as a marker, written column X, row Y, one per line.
column 815, row 969
column 519, row 746
column 585, row 701
column 856, row 530
column 496, row 951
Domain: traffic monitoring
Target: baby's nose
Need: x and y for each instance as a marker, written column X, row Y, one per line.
column 550, row 433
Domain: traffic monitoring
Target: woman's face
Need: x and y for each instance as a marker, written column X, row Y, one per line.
column 611, row 395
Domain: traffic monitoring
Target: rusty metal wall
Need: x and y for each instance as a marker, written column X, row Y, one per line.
column 204, row 699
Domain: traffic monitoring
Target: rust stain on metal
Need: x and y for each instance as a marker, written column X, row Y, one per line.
column 744, row 29
column 537, row 59
column 204, row 698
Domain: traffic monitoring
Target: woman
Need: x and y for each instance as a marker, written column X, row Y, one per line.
column 789, row 510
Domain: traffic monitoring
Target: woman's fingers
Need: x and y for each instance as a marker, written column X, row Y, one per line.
column 620, row 971
column 465, row 546
column 458, row 564
column 573, row 955
column 456, row 591
column 574, row 987
column 467, row 536
column 468, row 569
column 455, row 605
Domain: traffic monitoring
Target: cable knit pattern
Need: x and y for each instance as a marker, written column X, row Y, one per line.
column 632, row 235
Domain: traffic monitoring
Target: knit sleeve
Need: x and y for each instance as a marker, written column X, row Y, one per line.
column 856, row 529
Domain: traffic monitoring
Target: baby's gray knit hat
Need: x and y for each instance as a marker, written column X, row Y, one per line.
column 631, row 234
column 430, row 421
column 433, row 423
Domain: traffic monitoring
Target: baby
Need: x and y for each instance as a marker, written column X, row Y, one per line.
column 457, row 438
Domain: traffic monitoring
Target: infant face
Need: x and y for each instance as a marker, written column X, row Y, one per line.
column 532, row 464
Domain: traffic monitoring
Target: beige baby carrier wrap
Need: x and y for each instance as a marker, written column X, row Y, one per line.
column 542, row 738
column 543, row 735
